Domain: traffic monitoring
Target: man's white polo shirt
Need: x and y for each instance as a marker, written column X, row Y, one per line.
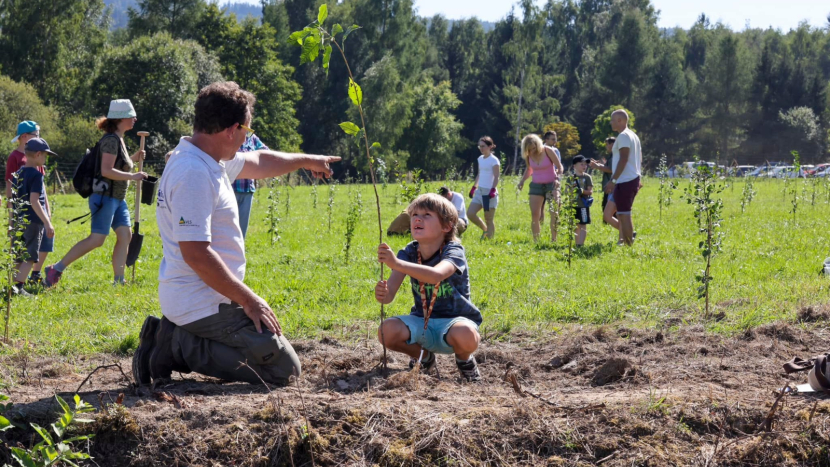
column 196, row 202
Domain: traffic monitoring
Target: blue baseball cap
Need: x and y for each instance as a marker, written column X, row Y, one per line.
column 25, row 127
column 39, row 144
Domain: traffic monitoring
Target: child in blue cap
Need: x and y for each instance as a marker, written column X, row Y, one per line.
column 29, row 187
column 27, row 130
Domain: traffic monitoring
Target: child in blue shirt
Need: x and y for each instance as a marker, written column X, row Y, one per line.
column 30, row 188
column 437, row 267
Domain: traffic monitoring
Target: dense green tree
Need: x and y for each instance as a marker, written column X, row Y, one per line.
column 667, row 114
column 725, row 83
column 528, row 94
column 602, row 126
column 177, row 17
column 433, row 136
column 248, row 55
column 802, row 132
column 18, row 102
column 53, row 45
column 158, row 74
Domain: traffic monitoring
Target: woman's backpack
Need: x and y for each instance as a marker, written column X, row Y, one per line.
column 87, row 178
column 86, row 171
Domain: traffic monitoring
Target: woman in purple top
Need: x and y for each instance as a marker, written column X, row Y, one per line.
column 545, row 169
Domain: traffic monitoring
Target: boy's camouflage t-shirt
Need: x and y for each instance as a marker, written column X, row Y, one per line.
column 454, row 292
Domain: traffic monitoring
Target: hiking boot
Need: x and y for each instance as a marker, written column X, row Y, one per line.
column 427, row 363
column 469, row 370
column 53, row 276
column 141, row 359
column 161, row 358
column 19, row 291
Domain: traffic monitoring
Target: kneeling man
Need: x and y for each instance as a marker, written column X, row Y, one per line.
column 212, row 321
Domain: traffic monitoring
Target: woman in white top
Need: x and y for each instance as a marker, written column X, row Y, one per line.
column 484, row 193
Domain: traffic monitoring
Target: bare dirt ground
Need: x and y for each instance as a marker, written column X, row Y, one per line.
column 607, row 396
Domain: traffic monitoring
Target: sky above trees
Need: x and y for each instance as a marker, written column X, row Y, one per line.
column 734, row 13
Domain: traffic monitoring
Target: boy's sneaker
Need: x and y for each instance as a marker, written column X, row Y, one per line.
column 469, row 370
column 53, row 276
column 141, row 359
column 427, row 363
column 162, row 362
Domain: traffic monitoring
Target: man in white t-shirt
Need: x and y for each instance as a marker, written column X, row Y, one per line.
column 212, row 321
column 457, row 200
column 625, row 173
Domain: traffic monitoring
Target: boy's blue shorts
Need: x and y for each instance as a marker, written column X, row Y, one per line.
column 47, row 245
column 434, row 338
column 108, row 213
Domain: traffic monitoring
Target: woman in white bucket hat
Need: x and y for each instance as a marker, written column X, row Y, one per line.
column 107, row 203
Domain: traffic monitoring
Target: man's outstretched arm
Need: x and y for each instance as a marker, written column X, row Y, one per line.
column 268, row 164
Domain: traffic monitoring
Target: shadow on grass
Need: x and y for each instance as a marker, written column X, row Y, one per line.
column 593, row 250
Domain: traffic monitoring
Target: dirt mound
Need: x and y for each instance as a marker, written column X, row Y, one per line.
column 579, row 397
column 613, row 370
column 812, row 314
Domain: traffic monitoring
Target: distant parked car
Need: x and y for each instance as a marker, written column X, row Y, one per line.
column 762, row 171
column 741, row 170
column 815, row 170
column 825, row 172
column 787, row 172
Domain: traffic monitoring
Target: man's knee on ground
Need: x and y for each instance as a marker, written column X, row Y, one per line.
column 463, row 338
column 393, row 331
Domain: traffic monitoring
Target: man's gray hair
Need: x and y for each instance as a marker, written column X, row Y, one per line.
column 620, row 112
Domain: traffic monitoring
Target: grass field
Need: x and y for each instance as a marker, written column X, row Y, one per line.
column 769, row 267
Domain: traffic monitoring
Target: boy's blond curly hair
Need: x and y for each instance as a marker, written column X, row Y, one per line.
column 442, row 207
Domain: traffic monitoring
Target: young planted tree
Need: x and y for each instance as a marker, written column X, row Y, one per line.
column 748, row 193
column 707, row 210
column 314, row 194
column 570, row 196
column 273, row 217
column 794, row 188
column 16, row 226
column 666, row 186
column 351, row 224
column 315, row 41
column 331, row 202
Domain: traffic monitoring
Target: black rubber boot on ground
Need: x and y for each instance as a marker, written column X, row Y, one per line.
column 161, row 359
column 141, row 359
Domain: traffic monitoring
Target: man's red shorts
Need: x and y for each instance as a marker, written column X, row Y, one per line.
column 624, row 194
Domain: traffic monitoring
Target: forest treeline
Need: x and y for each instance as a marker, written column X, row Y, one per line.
column 431, row 86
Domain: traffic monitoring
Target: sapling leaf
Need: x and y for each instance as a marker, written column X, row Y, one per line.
column 352, row 28
column 43, row 434
column 299, row 36
column 350, row 128
column 336, row 29
column 322, row 14
column 376, row 145
column 355, row 93
column 23, row 458
column 5, row 424
column 311, row 49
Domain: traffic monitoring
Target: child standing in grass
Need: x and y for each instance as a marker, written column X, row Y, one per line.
column 443, row 319
column 484, row 193
column 585, row 188
column 30, row 188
